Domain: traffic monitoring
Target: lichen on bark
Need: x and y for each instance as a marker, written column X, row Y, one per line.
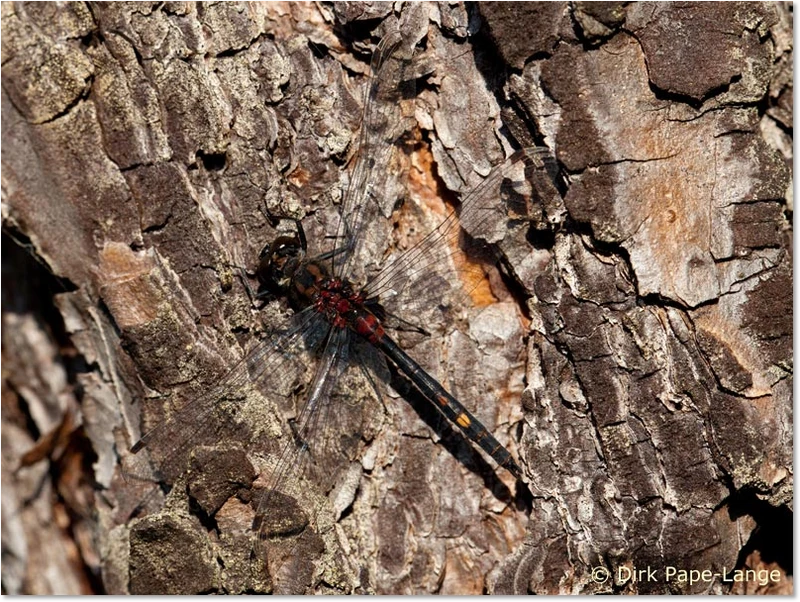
column 633, row 348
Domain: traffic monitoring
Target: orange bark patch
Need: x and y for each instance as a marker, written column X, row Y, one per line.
column 437, row 202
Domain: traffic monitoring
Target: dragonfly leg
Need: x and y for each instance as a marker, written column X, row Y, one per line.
column 298, row 240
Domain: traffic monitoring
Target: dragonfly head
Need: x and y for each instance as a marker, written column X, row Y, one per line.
column 279, row 261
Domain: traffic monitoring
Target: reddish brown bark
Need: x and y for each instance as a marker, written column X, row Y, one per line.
column 634, row 351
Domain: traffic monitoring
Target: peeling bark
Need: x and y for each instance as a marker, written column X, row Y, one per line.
column 633, row 350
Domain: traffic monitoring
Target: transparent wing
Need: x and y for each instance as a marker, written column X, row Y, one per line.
column 466, row 237
column 325, row 441
column 272, row 366
column 378, row 169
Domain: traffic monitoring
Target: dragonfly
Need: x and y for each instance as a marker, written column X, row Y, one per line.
column 338, row 324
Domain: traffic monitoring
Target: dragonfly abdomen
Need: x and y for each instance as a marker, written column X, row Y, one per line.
column 448, row 405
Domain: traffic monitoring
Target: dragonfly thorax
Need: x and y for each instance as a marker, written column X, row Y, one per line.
column 338, row 301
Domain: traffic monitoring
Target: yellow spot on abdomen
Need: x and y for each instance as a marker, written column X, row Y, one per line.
column 463, row 421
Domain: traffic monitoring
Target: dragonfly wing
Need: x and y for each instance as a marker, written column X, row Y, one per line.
column 272, row 367
column 324, row 442
column 377, row 177
column 461, row 243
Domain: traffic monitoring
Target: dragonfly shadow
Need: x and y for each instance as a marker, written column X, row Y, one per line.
column 451, row 439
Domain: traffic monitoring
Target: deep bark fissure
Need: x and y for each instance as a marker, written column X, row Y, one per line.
column 632, row 348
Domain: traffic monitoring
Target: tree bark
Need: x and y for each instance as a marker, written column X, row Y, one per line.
column 633, row 349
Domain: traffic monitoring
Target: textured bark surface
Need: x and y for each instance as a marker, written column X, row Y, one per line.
column 634, row 353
